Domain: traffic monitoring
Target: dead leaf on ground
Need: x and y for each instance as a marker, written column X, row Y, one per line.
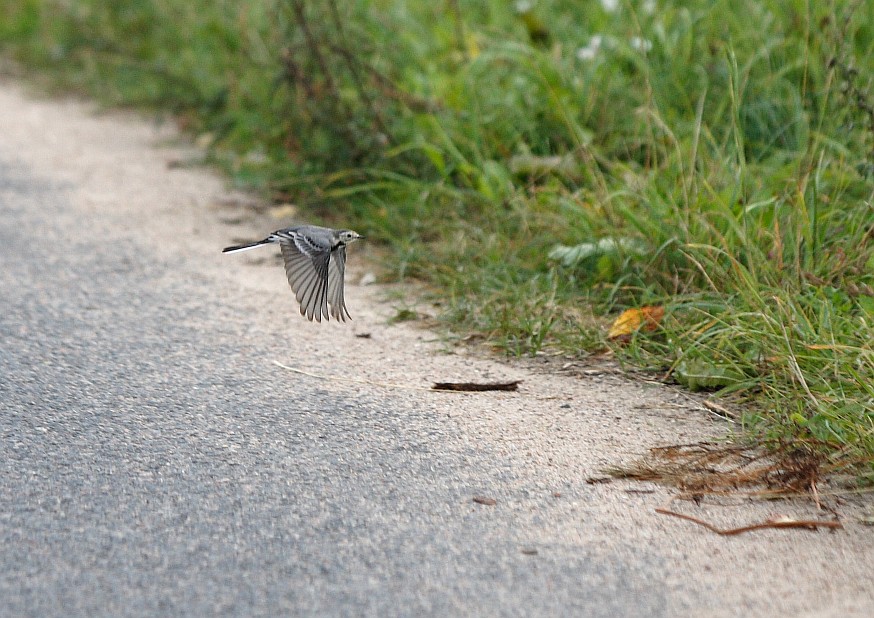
column 631, row 320
column 476, row 386
column 594, row 480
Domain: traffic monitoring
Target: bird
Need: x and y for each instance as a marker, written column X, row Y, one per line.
column 315, row 263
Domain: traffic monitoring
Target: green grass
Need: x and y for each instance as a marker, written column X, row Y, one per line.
column 716, row 158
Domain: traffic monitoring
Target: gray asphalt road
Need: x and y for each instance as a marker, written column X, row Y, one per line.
column 154, row 464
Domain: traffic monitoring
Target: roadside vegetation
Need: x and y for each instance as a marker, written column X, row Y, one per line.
column 545, row 165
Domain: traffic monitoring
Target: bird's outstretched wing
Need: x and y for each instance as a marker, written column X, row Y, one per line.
column 336, row 274
column 306, row 266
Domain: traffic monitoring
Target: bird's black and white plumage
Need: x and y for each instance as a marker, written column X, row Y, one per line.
column 315, row 264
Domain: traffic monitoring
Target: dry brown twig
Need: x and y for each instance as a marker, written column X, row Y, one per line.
column 806, row 524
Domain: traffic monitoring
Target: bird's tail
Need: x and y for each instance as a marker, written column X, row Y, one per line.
column 247, row 246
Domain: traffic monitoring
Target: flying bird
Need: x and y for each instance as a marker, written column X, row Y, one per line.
column 315, row 263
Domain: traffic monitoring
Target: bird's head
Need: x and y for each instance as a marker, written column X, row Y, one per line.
column 348, row 236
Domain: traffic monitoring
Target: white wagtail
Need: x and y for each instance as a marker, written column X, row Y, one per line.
column 315, row 262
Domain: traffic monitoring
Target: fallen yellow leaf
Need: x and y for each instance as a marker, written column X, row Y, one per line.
column 632, row 320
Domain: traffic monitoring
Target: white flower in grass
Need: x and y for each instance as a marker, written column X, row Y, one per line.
column 610, row 5
column 640, row 44
column 591, row 50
